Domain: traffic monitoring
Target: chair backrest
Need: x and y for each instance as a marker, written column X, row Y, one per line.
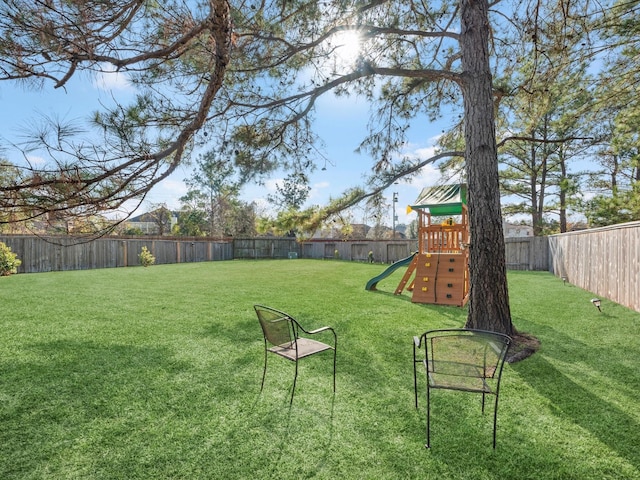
column 466, row 352
column 278, row 327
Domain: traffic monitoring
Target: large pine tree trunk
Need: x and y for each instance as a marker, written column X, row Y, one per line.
column 489, row 299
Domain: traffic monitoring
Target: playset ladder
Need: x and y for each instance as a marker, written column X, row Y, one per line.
column 407, row 275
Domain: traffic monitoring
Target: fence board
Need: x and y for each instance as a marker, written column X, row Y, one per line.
column 397, row 251
column 359, row 251
column 527, row 253
column 605, row 261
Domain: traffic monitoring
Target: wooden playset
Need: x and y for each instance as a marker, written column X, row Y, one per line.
column 441, row 264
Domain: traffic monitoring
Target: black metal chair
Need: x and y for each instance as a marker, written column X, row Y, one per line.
column 281, row 331
column 461, row 359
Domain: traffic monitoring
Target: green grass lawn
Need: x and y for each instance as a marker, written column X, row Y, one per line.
column 142, row 373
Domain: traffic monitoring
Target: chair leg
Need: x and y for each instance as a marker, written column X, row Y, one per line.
column 264, row 370
column 428, row 445
column 335, row 351
column 495, row 421
column 415, row 382
column 295, row 379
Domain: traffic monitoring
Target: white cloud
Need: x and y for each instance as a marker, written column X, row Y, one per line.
column 35, row 160
column 258, row 194
column 424, row 152
column 587, row 195
column 109, row 79
column 172, row 186
column 263, row 207
column 167, row 192
column 318, row 192
column 272, row 184
column 129, row 207
column 428, row 176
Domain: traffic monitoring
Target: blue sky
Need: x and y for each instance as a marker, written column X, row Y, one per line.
column 341, row 123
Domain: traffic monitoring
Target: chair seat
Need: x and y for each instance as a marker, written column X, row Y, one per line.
column 458, row 376
column 306, row 347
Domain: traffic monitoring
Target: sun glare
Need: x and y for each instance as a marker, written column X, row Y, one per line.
column 347, row 47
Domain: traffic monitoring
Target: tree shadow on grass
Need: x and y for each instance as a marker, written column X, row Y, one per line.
column 62, row 396
column 569, row 400
column 277, row 437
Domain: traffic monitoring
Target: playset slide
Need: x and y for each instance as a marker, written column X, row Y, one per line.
column 371, row 284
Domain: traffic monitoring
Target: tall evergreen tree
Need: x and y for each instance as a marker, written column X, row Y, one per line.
column 291, row 192
column 618, row 116
column 547, row 134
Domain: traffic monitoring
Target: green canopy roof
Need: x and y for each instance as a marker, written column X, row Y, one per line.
column 443, row 200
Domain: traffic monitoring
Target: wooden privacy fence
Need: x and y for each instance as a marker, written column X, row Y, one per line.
column 265, row 247
column 383, row 251
column 45, row 254
column 605, row 261
column 527, row 253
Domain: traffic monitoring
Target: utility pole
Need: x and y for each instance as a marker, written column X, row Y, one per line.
column 395, row 200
